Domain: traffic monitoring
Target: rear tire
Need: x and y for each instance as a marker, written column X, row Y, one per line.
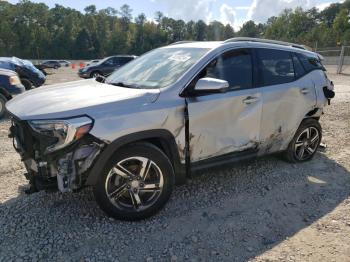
column 95, row 74
column 305, row 143
column 3, row 101
column 27, row 84
column 136, row 182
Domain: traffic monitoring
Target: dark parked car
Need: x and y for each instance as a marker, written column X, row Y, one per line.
column 64, row 63
column 95, row 61
column 51, row 64
column 27, row 72
column 106, row 66
column 10, row 85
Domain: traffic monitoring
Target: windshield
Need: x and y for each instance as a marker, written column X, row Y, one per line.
column 157, row 69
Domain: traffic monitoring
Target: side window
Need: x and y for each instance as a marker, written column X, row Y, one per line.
column 110, row 62
column 124, row 60
column 234, row 66
column 116, row 61
column 310, row 63
column 275, row 67
column 298, row 68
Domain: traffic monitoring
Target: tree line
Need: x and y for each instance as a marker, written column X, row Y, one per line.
column 33, row 30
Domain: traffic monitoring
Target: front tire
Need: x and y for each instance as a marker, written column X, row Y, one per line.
column 26, row 83
column 95, row 74
column 136, row 182
column 305, row 143
column 3, row 101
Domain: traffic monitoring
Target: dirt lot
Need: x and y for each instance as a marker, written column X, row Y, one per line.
column 264, row 210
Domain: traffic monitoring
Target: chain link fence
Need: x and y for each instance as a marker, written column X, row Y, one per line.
column 337, row 58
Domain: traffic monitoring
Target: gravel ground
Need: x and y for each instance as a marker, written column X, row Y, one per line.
column 263, row 210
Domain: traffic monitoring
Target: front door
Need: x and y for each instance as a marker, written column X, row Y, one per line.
column 228, row 122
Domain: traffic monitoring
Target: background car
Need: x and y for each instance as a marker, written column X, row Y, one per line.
column 10, row 85
column 64, row 63
column 51, row 64
column 106, row 66
column 30, row 75
column 92, row 62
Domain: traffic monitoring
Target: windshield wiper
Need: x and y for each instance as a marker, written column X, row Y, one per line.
column 122, row 84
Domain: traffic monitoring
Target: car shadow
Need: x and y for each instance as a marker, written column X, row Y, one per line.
column 234, row 213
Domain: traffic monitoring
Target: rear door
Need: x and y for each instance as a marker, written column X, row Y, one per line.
column 228, row 122
column 287, row 94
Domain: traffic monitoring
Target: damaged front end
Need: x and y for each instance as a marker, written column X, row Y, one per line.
column 57, row 154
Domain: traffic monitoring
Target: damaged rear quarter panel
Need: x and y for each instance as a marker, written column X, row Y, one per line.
column 283, row 110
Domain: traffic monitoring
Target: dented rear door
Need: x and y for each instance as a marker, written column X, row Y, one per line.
column 288, row 95
column 227, row 122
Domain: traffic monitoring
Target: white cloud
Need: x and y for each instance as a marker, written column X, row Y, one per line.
column 189, row 9
column 261, row 10
column 323, row 6
column 227, row 15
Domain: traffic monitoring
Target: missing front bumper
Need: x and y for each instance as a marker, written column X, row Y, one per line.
column 65, row 170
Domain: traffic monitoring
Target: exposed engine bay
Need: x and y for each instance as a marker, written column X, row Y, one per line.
column 65, row 168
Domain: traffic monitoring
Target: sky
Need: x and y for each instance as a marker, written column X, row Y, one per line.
column 233, row 12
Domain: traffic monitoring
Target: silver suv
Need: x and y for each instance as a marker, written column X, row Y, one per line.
column 176, row 109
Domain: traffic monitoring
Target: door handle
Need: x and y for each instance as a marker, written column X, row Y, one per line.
column 305, row 91
column 250, row 100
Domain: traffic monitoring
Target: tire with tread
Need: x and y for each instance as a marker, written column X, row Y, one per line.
column 146, row 150
column 26, row 83
column 3, row 101
column 290, row 154
column 92, row 75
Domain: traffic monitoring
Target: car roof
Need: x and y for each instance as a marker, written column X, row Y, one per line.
column 7, row 72
column 245, row 41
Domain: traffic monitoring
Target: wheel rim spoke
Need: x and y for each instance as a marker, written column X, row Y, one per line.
column 298, row 144
column 150, row 188
column 146, row 165
column 310, row 150
column 118, row 192
column 135, row 198
column 301, row 152
column 121, row 171
column 308, row 133
column 315, row 139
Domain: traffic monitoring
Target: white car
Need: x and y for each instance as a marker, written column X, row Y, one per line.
column 178, row 108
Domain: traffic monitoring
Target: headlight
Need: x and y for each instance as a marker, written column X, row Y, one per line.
column 84, row 69
column 65, row 131
column 14, row 80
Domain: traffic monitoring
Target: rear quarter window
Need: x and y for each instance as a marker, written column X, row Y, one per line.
column 310, row 63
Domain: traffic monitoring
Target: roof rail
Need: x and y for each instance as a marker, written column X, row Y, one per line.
column 181, row 42
column 259, row 40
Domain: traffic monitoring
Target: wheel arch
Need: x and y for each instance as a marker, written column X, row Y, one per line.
column 161, row 138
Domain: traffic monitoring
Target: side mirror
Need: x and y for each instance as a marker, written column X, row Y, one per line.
column 210, row 85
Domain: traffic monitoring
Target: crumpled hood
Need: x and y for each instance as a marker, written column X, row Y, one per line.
column 85, row 97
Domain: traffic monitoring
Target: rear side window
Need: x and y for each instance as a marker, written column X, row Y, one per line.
column 124, row 60
column 235, row 67
column 310, row 63
column 275, row 67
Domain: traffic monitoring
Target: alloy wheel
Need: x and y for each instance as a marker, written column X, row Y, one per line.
column 307, row 143
column 134, row 184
